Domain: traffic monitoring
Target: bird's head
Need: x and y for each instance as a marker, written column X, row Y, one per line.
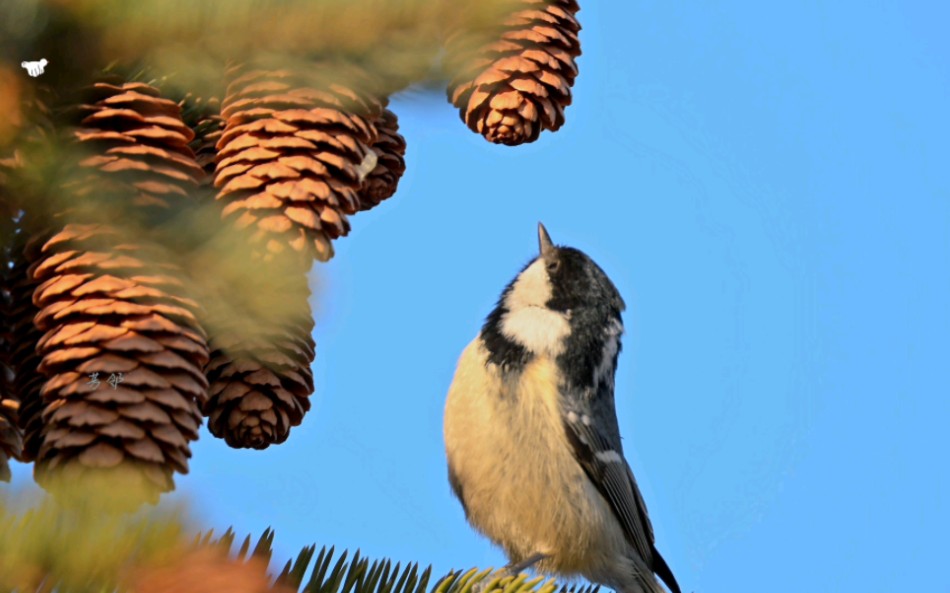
column 562, row 279
column 552, row 294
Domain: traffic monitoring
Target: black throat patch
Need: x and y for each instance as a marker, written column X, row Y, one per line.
column 503, row 352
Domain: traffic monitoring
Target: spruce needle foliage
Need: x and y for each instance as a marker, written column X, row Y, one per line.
column 83, row 540
column 86, row 540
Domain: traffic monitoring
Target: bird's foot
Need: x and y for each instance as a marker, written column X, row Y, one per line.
column 516, row 568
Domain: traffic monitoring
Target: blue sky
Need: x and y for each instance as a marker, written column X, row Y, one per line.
column 768, row 187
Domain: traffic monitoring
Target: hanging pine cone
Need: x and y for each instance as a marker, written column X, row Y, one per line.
column 259, row 374
column 390, row 148
column 289, row 161
column 520, row 82
column 123, row 355
column 261, row 348
column 138, row 149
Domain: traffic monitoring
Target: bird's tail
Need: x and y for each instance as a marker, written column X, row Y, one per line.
column 663, row 571
column 639, row 580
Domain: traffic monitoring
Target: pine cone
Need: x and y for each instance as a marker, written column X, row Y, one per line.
column 390, row 148
column 260, row 372
column 123, row 354
column 138, row 148
column 289, row 161
column 520, row 82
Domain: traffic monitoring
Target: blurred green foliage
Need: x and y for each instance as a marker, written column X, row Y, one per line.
column 84, row 539
column 93, row 537
column 188, row 41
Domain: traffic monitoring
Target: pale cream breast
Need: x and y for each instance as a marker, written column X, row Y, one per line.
column 548, row 499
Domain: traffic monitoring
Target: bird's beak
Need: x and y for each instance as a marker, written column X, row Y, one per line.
column 544, row 241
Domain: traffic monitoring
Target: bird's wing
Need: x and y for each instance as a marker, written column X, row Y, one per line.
column 604, row 464
column 602, row 458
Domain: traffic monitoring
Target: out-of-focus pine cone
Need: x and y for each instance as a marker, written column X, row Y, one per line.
column 123, row 355
column 292, row 157
column 259, row 374
column 520, row 82
column 137, row 149
column 205, row 570
column 390, row 148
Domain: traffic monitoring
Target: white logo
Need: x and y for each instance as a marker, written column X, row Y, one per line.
column 35, row 68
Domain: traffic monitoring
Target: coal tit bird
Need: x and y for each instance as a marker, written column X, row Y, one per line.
column 531, row 432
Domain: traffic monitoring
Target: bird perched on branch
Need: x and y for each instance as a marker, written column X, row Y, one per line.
column 531, row 432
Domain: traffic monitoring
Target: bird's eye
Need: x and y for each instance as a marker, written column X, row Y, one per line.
column 553, row 266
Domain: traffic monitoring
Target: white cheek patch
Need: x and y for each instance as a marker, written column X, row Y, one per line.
column 528, row 322
column 541, row 331
column 532, row 289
